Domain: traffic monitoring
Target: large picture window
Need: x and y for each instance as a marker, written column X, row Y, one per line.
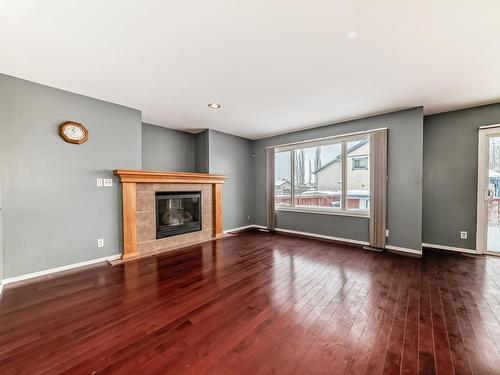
column 331, row 176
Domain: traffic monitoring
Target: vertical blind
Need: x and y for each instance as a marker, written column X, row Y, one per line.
column 378, row 189
column 271, row 215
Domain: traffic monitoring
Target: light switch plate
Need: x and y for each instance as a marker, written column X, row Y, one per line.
column 99, row 182
column 108, row 182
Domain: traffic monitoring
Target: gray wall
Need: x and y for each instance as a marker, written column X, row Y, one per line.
column 53, row 211
column 167, row 149
column 209, row 152
column 202, row 152
column 404, row 214
column 450, row 174
column 230, row 155
column 355, row 228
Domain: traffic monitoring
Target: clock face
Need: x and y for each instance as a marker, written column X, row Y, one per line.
column 73, row 132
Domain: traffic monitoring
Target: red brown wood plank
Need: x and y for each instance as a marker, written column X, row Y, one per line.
column 259, row 303
column 426, row 357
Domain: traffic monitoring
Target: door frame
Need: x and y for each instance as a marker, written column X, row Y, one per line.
column 485, row 132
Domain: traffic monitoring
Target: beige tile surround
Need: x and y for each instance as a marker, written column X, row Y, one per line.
column 146, row 218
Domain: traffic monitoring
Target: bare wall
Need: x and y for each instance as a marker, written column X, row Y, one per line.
column 53, row 211
column 167, row 149
column 404, row 211
column 202, row 152
column 450, row 174
column 230, row 155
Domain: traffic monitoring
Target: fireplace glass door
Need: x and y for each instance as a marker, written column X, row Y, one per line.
column 177, row 213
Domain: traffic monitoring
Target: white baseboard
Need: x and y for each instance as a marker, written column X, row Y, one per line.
column 1, row 287
column 260, row 227
column 450, row 248
column 322, row 236
column 239, row 228
column 59, row 269
column 252, row 226
column 403, row 250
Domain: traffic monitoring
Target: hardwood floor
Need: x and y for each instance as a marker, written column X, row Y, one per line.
column 259, row 303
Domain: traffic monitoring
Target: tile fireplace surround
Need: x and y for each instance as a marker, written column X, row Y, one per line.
column 139, row 217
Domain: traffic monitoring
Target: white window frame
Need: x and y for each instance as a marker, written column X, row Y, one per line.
column 343, row 140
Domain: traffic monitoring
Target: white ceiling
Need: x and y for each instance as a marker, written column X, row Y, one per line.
column 274, row 65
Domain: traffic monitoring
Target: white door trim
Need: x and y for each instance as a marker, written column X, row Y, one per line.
column 482, row 182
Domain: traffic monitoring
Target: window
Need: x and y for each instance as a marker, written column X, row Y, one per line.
column 312, row 176
column 317, row 175
column 358, row 177
column 282, row 179
column 360, row 163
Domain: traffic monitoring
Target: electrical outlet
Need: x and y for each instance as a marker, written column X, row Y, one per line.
column 100, row 242
column 463, row 235
column 108, row 182
column 248, row 217
column 387, row 232
column 99, row 182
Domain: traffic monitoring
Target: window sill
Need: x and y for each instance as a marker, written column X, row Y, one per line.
column 364, row 214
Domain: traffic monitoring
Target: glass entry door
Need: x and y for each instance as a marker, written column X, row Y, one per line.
column 493, row 194
column 488, row 230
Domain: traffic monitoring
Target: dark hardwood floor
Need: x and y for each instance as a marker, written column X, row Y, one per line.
column 259, row 303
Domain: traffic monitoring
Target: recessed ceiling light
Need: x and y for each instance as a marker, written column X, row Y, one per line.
column 352, row 34
column 214, row 106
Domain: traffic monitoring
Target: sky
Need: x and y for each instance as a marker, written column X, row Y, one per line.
column 282, row 161
column 328, row 153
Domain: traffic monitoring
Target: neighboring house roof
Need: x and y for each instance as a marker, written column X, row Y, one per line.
column 339, row 156
column 280, row 181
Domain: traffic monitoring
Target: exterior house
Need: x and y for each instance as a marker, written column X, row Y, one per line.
column 282, row 186
column 358, row 174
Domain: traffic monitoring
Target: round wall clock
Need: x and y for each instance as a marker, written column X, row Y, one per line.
column 73, row 132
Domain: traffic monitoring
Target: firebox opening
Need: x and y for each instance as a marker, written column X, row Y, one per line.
column 177, row 213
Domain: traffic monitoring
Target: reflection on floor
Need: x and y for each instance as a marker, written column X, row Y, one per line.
column 259, row 303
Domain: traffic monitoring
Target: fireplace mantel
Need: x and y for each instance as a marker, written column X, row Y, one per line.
column 130, row 178
column 144, row 176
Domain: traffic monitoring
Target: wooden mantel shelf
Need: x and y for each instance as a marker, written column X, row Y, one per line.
column 144, row 176
column 129, row 179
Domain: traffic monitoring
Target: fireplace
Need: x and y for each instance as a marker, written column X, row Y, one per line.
column 177, row 213
column 140, row 208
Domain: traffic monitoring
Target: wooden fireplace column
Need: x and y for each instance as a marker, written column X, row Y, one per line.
column 129, row 180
